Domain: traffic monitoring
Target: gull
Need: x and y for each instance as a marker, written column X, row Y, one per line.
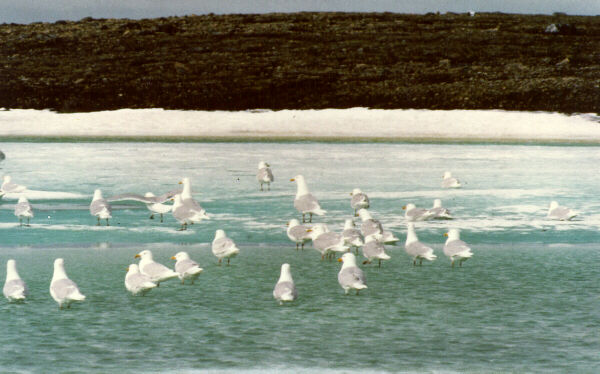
column 136, row 282
column 416, row 249
column 388, row 237
column 223, row 247
column 448, row 181
column 157, row 272
column 350, row 275
column 159, row 208
column 370, row 226
column 416, row 214
column 63, row 290
column 359, row 200
column 185, row 209
column 23, row 210
column 373, row 249
column 8, row 186
column 100, row 207
column 14, row 287
column 264, row 175
column 305, row 202
column 327, row 242
column 285, row 289
column 186, row 268
column 560, row 213
column 439, row 212
column 298, row 233
column 455, row 248
column 352, row 235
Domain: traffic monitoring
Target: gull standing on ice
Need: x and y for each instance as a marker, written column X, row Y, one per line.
column 159, row 208
column 359, row 200
column 285, row 289
column 374, row 250
column 305, row 202
column 416, row 249
column 8, row 186
column 560, row 213
column 264, row 175
column 439, row 212
column 100, row 207
column 448, row 181
column 63, row 290
column 455, row 248
column 350, row 275
column 23, row 210
column 223, row 247
column 185, row 209
column 327, row 242
column 370, row 226
column 136, row 282
column 14, row 287
column 157, row 272
column 186, row 268
column 298, row 233
column 352, row 235
column 416, row 214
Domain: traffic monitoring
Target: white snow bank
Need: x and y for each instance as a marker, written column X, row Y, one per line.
column 355, row 123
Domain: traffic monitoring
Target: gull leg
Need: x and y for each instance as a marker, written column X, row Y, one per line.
column 152, row 216
column 20, row 221
column 310, row 220
column 297, row 244
column 107, row 222
column 303, row 219
column 220, row 262
column 302, row 246
column 98, row 224
column 415, row 262
column 421, row 262
column 357, row 292
column 268, row 186
column 379, row 263
column 452, row 263
column 261, row 187
column 161, row 218
column 228, row 261
column 27, row 221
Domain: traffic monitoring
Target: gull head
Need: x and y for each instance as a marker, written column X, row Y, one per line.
column 6, row 178
column 149, row 194
column 180, row 256
column 364, row 214
column 553, row 205
column 348, row 224
column 298, row 178
column 293, row 223
column 348, row 260
column 447, row 175
column 408, row 207
column 22, row 199
column 219, row 234
column 144, row 255
column 97, row 194
column 133, row 269
column 262, row 165
column 437, row 203
column 356, row 191
column 453, row 234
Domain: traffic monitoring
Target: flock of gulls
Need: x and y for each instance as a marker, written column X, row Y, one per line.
column 371, row 237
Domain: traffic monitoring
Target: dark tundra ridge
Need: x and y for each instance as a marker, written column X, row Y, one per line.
column 305, row 61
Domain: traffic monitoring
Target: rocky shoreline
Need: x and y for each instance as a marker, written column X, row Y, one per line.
column 305, row 61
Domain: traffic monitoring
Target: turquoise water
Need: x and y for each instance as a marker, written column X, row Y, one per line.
column 528, row 301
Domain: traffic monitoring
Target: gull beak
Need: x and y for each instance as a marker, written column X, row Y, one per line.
column 127, row 268
column 340, row 260
column 287, row 224
column 350, row 193
column 292, row 180
column 137, row 256
column 173, row 258
column 446, row 234
column 308, row 230
column 267, row 165
column 403, row 207
column 180, row 182
column 172, row 199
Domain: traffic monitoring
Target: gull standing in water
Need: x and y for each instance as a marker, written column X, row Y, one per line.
column 298, row 233
column 285, row 289
column 350, row 275
column 186, row 268
column 455, row 248
column 63, row 290
column 359, row 200
column 23, row 210
column 370, row 226
column 305, row 202
column 352, row 235
column 560, row 213
column 264, row 175
column 327, row 242
column 157, row 272
column 157, row 207
column 8, row 186
column 448, row 181
column 374, row 250
column 416, row 249
column 185, row 209
column 14, row 287
column 100, row 207
column 439, row 212
column 223, row 247
column 416, row 214
column 136, row 282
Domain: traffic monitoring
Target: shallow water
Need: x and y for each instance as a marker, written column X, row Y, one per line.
column 528, row 301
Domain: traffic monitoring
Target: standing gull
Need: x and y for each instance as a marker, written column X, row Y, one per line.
column 264, row 175
column 23, row 210
column 352, row 235
column 560, row 213
column 14, row 287
column 298, row 233
column 157, row 207
column 350, row 275
column 157, row 272
column 285, row 289
column 63, row 290
column 448, row 181
column 186, row 210
column 370, row 226
column 100, row 207
column 186, row 268
column 136, row 282
column 327, row 242
column 359, row 200
column 8, row 186
column 455, row 248
column 305, row 202
column 223, row 247
column 439, row 212
column 374, row 250
column 416, row 214
column 416, row 249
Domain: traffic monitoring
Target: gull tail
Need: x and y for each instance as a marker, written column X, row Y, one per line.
column 384, row 256
column 319, row 212
column 340, row 248
column 360, row 286
column 77, row 296
column 148, row 285
column 196, row 271
column 17, row 296
column 429, row 256
column 466, row 253
column 357, row 242
column 287, row 296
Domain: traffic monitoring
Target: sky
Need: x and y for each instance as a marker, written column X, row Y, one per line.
column 28, row 11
